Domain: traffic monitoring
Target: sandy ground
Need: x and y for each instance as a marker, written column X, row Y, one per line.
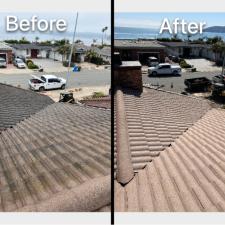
column 203, row 65
column 78, row 93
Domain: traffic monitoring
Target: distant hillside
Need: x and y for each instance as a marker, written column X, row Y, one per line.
column 215, row 29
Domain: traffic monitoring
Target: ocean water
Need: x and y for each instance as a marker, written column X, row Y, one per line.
column 135, row 33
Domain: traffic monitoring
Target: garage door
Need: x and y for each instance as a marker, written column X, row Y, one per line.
column 4, row 56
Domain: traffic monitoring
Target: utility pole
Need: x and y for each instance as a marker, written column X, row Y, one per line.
column 223, row 65
column 71, row 51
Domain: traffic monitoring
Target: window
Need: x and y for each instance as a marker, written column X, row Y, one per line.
column 51, row 80
column 43, row 78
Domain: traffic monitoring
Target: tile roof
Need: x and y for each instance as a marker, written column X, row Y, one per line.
column 126, row 43
column 188, row 176
column 31, row 46
column 183, row 44
column 154, row 119
column 102, row 102
column 16, row 104
column 57, row 160
column 4, row 46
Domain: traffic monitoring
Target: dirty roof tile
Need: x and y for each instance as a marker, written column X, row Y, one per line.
column 58, row 159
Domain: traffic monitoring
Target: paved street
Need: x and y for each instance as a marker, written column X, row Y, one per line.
column 175, row 83
column 84, row 78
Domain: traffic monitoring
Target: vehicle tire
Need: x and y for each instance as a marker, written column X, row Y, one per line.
column 63, row 86
column 154, row 73
column 175, row 72
column 41, row 89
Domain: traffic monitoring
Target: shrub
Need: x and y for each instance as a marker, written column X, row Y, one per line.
column 66, row 64
column 93, row 57
column 32, row 66
column 98, row 94
column 184, row 64
column 29, row 60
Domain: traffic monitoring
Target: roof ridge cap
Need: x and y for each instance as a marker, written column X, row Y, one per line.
column 86, row 197
column 125, row 171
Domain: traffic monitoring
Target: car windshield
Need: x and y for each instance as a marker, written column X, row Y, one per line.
column 2, row 60
column 19, row 60
column 43, row 78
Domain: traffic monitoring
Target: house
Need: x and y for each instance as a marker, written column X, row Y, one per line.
column 55, row 158
column 169, row 154
column 139, row 49
column 33, row 50
column 104, row 53
column 6, row 52
column 186, row 49
column 80, row 52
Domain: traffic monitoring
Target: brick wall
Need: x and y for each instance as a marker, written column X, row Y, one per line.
column 9, row 55
column 128, row 75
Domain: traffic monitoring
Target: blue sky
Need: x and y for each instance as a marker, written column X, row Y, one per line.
column 153, row 20
column 89, row 26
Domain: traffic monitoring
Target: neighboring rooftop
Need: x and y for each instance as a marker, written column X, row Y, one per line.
column 133, row 44
column 17, row 104
column 188, row 176
column 183, row 44
column 4, row 46
column 106, row 51
column 57, row 160
column 31, row 46
column 102, row 102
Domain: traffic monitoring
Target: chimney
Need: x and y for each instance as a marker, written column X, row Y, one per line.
column 127, row 74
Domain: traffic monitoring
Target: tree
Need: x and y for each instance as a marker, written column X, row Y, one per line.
column 37, row 39
column 104, row 29
column 218, row 48
column 23, row 40
column 64, row 50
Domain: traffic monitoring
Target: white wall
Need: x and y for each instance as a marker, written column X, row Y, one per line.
column 56, row 56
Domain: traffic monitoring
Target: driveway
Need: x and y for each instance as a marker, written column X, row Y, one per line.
column 204, row 65
column 50, row 65
column 175, row 83
column 84, row 78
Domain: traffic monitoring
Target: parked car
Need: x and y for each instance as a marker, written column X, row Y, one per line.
column 19, row 63
column 164, row 68
column 153, row 61
column 46, row 82
column 3, row 63
column 21, row 57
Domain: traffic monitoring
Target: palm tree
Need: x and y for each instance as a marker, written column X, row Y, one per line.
column 64, row 50
column 104, row 29
column 37, row 39
column 94, row 42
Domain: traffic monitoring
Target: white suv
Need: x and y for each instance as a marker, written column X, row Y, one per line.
column 46, row 82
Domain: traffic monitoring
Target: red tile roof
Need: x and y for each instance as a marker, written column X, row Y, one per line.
column 188, row 176
column 154, row 119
